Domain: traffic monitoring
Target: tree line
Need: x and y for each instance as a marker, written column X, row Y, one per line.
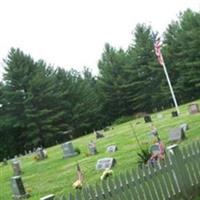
column 41, row 105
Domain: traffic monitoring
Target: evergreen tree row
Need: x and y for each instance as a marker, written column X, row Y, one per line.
column 43, row 106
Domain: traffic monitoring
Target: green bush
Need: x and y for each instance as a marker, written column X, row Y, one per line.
column 77, row 150
column 122, row 119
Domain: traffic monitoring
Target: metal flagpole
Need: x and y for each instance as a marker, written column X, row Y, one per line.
column 170, row 87
column 157, row 46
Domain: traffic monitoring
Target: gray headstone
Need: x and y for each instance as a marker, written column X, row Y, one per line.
column 194, row 108
column 111, row 148
column 147, row 119
column 105, row 163
column 18, row 188
column 176, row 134
column 68, row 150
column 92, row 148
column 99, row 134
column 48, row 197
column 184, row 126
column 30, row 152
column 40, row 154
column 16, row 167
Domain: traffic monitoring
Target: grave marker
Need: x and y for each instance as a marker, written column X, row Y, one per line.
column 147, row 119
column 68, row 150
column 16, row 167
column 99, row 134
column 18, row 188
column 40, row 153
column 174, row 114
column 176, row 134
column 92, row 148
column 111, row 148
column 193, row 108
column 105, row 163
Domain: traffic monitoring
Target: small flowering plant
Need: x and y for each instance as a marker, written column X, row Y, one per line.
column 106, row 173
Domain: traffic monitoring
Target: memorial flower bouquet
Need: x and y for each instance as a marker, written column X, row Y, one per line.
column 77, row 184
column 107, row 172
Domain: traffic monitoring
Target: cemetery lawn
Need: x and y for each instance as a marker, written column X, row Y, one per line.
column 56, row 175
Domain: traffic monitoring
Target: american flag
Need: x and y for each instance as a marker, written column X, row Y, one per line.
column 79, row 172
column 157, row 48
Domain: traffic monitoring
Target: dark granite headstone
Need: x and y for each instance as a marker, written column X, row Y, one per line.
column 147, row 119
column 176, row 134
column 174, row 114
column 68, row 150
column 18, row 188
column 105, row 163
column 48, row 197
column 16, row 167
column 194, row 108
column 111, row 148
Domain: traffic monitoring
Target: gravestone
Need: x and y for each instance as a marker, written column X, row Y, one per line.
column 30, row 152
column 176, row 134
column 147, row 119
column 68, row 150
column 16, row 167
column 170, row 149
column 111, row 148
column 92, row 148
column 105, row 163
column 40, row 154
column 48, row 197
column 18, row 189
column 99, row 134
column 193, row 108
column 174, row 114
column 184, row 126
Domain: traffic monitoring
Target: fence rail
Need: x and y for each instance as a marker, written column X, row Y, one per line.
column 177, row 177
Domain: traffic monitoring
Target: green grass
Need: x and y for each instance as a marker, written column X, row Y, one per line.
column 56, row 175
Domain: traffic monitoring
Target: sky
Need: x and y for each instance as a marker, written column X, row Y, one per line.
column 72, row 33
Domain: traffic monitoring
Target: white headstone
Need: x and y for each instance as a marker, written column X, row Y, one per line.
column 105, row 163
column 48, row 197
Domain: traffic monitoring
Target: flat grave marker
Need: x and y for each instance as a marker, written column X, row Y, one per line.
column 111, row 148
column 105, row 163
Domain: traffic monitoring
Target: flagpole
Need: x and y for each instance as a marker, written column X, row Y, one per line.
column 170, row 87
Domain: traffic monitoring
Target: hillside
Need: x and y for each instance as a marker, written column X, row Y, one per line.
column 56, row 175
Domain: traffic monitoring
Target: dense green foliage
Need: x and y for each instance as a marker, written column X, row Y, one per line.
column 39, row 103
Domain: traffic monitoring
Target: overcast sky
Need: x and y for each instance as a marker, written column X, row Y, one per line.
column 72, row 33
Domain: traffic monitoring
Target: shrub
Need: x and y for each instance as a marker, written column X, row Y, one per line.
column 77, row 150
column 143, row 156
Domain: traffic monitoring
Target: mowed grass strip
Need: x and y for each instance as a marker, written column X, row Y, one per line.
column 56, row 175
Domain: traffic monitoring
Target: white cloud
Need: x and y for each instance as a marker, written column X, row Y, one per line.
column 72, row 33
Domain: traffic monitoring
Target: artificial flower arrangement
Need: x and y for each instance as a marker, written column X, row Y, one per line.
column 106, row 173
column 77, row 184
